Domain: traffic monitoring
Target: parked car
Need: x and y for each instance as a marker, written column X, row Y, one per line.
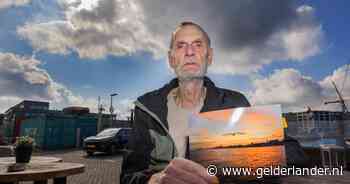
column 109, row 140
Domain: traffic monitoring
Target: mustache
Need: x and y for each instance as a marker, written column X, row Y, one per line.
column 190, row 63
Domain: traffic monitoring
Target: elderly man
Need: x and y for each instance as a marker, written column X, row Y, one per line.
column 159, row 146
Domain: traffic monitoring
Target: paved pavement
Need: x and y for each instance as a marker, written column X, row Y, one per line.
column 105, row 169
column 100, row 168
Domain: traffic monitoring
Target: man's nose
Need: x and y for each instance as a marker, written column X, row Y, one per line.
column 189, row 50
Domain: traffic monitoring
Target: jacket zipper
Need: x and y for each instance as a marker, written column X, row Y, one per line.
column 144, row 108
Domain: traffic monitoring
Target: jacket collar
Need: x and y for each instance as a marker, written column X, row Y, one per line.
column 156, row 101
column 174, row 83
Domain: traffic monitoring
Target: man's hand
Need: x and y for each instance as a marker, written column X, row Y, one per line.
column 183, row 171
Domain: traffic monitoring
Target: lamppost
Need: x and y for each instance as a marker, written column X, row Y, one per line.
column 111, row 109
column 100, row 111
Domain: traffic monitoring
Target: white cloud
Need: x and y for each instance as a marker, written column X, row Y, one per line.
column 246, row 34
column 11, row 3
column 302, row 43
column 8, row 101
column 288, row 87
column 124, row 107
column 296, row 91
column 301, row 38
column 306, row 36
column 94, row 29
column 55, row 37
column 342, row 81
column 22, row 78
column 305, row 9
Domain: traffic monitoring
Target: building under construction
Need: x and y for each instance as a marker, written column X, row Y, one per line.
column 53, row 129
column 313, row 128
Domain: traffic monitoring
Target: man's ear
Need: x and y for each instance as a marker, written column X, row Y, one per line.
column 171, row 59
column 210, row 56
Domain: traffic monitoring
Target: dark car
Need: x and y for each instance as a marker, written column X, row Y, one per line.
column 109, row 140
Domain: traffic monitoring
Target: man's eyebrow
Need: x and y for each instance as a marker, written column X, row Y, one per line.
column 181, row 42
column 199, row 40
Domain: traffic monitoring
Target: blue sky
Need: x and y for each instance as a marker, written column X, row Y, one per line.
column 69, row 53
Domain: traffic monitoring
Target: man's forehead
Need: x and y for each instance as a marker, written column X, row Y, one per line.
column 188, row 32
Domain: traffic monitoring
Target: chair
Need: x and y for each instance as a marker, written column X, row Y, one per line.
column 334, row 153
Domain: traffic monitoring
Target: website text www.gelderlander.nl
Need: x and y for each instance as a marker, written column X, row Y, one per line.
column 274, row 171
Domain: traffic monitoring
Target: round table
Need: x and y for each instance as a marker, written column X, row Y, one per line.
column 41, row 172
column 34, row 159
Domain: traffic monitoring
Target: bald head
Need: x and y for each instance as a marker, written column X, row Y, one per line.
column 185, row 24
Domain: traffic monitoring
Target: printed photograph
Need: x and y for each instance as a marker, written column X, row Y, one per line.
column 245, row 137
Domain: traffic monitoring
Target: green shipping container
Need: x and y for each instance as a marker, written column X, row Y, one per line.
column 86, row 126
column 34, row 127
column 60, row 132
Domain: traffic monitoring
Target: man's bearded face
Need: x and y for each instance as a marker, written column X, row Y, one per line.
column 190, row 54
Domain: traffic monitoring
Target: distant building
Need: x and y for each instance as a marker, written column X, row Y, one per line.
column 312, row 128
column 76, row 110
column 1, row 129
column 28, row 105
column 1, row 119
column 53, row 129
column 16, row 114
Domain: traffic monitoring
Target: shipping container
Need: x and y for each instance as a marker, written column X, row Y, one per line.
column 85, row 126
column 58, row 131
column 34, row 127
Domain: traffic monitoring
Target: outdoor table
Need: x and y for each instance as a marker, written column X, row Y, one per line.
column 34, row 159
column 40, row 173
column 6, row 151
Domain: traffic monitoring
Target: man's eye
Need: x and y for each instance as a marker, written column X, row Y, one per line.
column 198, row 44
column 180, row 46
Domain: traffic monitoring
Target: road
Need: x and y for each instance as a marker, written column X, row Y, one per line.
column 99, row 169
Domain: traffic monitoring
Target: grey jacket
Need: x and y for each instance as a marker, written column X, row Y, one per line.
column 152, row 147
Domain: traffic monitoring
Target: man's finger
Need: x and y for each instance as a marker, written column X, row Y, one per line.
column 184, row 175
column 193, row 167
column 167, row 179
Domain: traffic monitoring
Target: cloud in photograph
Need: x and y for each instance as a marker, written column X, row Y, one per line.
column 13, row 3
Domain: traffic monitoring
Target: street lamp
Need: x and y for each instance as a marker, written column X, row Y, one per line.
column 111, row 109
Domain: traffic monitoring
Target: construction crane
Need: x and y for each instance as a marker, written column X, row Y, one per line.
column 345, row 111
column 340, row 100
